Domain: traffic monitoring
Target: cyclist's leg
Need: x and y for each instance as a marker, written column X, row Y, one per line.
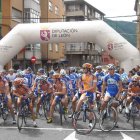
column 64, row 102
column 9, row 104
column 32, row 114
column 105, row 101
column 80, row 102
column 52, row 109
column 38, row 105
column 128, row 101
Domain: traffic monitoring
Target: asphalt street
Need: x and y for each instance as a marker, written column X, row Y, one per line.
column 55, row 131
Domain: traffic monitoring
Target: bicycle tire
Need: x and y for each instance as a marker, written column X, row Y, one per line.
column 133, row 115
column 106, row 121
column 61, row 113
column 81, row 121
column 4, row 112
column 20, row 119
column 46, row 108
column 25, row 114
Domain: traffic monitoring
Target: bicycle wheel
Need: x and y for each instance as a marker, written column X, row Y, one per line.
column 108, row 119
column 133, row 114
column 25, row 114
column 20, row 119
column 46, row 108
column 4, row 112
column 84, row 121
column 61, row 112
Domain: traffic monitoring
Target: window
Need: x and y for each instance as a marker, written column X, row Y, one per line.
column 37, row 1
column 97, row 15
column 83, row 58
column 56, row 47
column 56, row 10
column 50, row 47
column 88, row 57
column 50, row 6
column 34, row 16
column 16, row 15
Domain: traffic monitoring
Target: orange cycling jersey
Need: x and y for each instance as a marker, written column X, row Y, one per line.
column 22, row 90
column 3, row 85
column 87, row 81
column 46, row 87
column 134, row 88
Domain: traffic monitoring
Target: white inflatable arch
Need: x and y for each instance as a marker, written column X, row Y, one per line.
column 83, row 31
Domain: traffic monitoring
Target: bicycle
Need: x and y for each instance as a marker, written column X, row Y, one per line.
column 45, row 100
column 109, row 116
column 134, row 111
column 3, row 107
column 23, row 113
column 61, row 111
column 84, row 121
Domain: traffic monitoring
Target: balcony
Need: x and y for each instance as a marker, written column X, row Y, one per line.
column 76, row 48
column 76, row 13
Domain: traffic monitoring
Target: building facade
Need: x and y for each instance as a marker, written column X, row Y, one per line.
column 11, row 15
column 80, row 10
column 137, row 9
column 13, row 12
column 52, row 53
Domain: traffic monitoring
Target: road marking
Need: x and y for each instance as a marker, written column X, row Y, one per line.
column 63, row 129
column 126, row 137
column 72, row 136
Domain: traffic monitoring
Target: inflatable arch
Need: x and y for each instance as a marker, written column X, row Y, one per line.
column 96, row 31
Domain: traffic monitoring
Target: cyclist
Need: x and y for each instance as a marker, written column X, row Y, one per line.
column 133, row 92
column 99, row 74
column 50, row 79
column 87, row 86
column 112, row 86
column 43, row 87
column 11, row 77
column 29, row 75
column 60, row 93
column 21, row 91
column 4, row 90
column 74, row 78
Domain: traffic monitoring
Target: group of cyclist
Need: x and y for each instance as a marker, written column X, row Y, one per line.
column 65, row 84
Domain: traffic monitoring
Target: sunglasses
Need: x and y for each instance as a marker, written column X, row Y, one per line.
column 134, row 81
column 110, row 69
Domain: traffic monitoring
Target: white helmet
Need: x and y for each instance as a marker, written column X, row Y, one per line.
column 62, row 72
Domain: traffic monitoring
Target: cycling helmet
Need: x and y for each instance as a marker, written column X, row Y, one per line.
column 56, row 76
column 87, row 65
column 29, row 69
column 111, row 67
column 41, row 70
column 62, row 72
column 43, row 78
column 20, row 73
column 98, row 67
column 51, row 72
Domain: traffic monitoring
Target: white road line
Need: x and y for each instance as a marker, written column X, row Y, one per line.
column 65, row 129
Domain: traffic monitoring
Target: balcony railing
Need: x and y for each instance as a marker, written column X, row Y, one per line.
column 75, row 13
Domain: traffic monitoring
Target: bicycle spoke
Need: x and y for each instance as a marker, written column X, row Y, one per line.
column 84, row 122
column 108, row 119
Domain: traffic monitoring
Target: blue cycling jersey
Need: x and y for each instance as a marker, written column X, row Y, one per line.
column 29, row 76
column 112, row 83
column 99, row 80
column 73, row 77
